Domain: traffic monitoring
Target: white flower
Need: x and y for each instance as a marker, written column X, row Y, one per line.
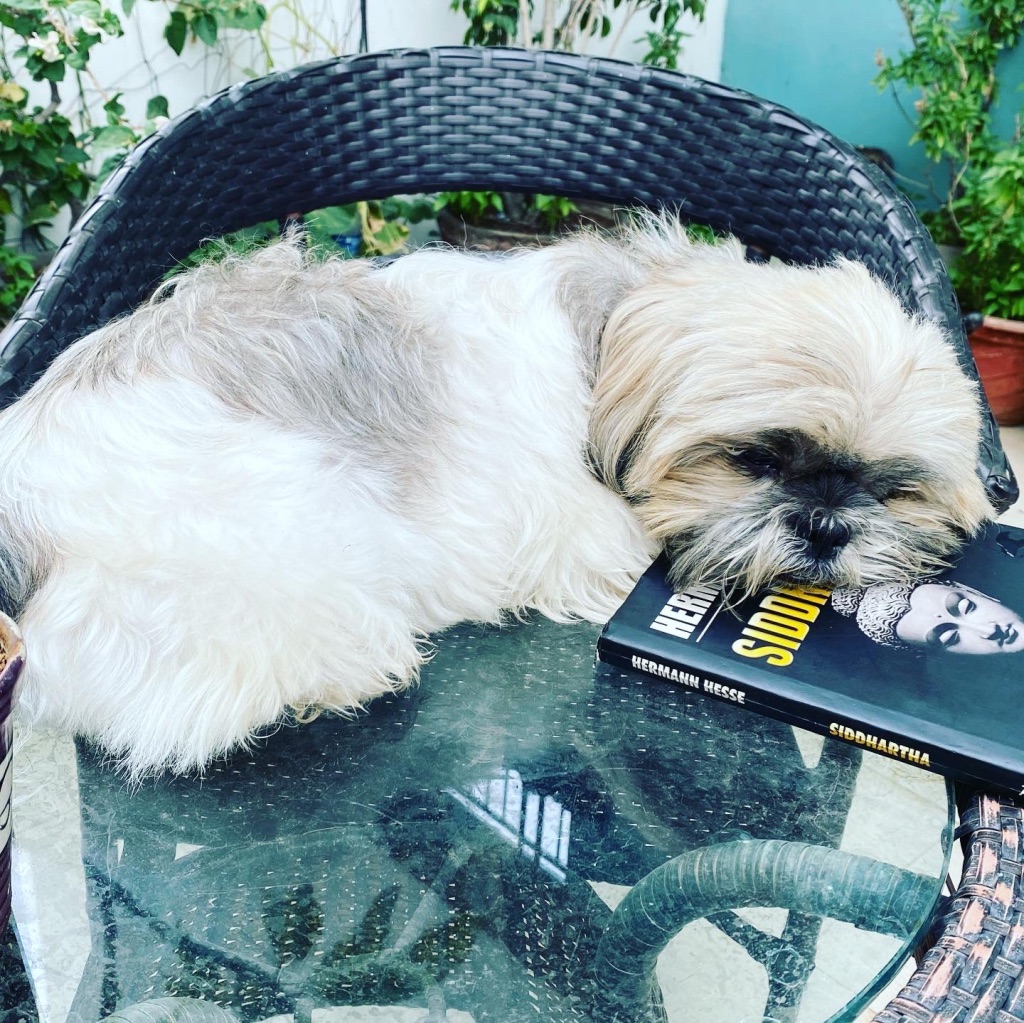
column 11, row 92
column 47, row 47
column 89, row 26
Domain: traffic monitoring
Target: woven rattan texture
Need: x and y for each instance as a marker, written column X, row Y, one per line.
column 459, row 117
column 974, row 973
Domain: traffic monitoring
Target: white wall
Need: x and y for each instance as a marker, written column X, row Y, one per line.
column 140, row 64
column 431, row 22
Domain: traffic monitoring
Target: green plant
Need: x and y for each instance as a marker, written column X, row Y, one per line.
column 55, row 146
column 553, row 209
column 376, row 228
column 570, row 24
column 17, row 274
column 474, row 207
column 954, row 62
column 54, row 149
column 560, row 25
column 536, row 211
column 42, row 156
column 236, row 243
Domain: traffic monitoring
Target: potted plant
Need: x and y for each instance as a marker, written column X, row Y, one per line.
column 500, row 220
column 956, row 49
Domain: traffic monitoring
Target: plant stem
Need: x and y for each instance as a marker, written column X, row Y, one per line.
column 626, row 19
column 51, row 108
column 524, row 33
column 547, row 36
column 908, row 16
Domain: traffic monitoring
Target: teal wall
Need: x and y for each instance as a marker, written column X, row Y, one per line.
column 818, row 59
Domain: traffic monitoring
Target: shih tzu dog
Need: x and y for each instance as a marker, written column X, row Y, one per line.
column 265, row 489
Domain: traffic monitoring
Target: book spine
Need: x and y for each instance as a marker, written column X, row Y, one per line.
column 812, row 719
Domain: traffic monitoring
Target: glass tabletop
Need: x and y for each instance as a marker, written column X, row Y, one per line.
column 522, row 836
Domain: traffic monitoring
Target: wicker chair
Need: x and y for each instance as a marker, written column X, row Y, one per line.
column 462, row 118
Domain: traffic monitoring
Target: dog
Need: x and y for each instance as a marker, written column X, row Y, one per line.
column 268, row 486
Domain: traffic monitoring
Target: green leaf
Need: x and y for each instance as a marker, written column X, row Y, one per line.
column 205, row 28
column 110, row 163
column 127, row 6
column 40, row 214
column 51, row 72
column 78, row 60
column 86, row 9
column 176, row 31
column 114, row 109
column 71, row 153
column 28, row 5
column 44, row 158
column 156, row 107
column 389, row 237
column 245, row 16
column 114, row 136
column 336, row 219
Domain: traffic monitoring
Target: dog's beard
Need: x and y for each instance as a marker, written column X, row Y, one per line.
column 746, row 548
column 741, row 515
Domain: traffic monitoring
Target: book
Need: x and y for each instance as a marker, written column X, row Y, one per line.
column 930, row 673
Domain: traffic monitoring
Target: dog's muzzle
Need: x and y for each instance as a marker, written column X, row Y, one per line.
column 820, row 522
column 824, row 532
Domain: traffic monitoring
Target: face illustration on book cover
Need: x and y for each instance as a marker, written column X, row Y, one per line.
column 941, row 615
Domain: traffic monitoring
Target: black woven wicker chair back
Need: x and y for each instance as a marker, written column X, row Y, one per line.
column 416, row 121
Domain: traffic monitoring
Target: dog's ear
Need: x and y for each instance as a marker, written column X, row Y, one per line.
column 612, row 472
column 647, row 347
column 624, row 406
column 643, row 356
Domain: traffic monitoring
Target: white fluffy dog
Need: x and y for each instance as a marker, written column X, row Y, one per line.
column 265, row 488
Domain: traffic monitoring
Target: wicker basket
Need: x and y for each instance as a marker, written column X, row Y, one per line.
column 12, row 659
column 972, row 969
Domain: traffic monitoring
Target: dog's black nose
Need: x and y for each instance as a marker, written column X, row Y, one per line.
column 826, row 534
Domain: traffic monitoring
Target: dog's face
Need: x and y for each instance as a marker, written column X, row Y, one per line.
column 776, row 421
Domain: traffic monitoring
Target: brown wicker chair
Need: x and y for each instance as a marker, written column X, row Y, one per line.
column 974, row 970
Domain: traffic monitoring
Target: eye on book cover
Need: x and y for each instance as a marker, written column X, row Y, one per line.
column 929, row 672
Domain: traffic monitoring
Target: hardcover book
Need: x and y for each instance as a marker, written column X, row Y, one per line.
column 931, row 673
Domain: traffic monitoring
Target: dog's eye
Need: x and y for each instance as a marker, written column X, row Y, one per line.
column 905, row 492
column 758, row 461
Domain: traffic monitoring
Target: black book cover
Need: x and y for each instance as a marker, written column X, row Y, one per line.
column 930, row 673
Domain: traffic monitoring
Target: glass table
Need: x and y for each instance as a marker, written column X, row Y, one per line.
column 523, row 836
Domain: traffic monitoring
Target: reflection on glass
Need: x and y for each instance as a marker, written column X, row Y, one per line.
column 538, row 825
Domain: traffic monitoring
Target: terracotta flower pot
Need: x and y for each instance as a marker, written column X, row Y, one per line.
column 12, row 660
column 998, row 347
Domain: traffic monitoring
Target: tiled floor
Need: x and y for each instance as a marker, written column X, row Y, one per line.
column 1013, row 442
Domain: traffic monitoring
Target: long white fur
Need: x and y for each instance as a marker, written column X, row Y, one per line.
column 265, row 488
